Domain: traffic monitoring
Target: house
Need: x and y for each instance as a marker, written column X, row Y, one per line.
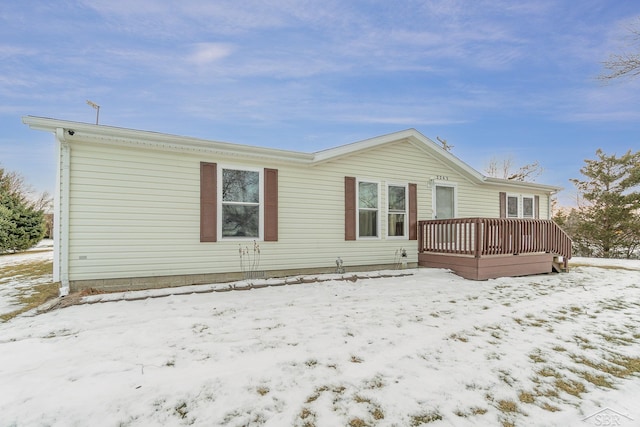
column 137, row 209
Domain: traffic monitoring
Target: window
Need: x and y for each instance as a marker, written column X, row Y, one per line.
column 397, row 210
column 241, row 197
column 361, row 207
column 512, row 207
column 368, row 197
column 519, row 206
column 527, row 207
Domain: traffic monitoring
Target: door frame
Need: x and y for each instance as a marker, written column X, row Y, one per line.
column 440, row 183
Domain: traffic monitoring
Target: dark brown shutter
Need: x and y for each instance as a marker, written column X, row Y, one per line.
column 208, row 202
column 349, row 208
column 413, row 212
column 503, row 204
column 271, row 205
column 536, row 207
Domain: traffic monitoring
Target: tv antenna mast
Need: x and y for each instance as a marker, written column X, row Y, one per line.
column 97, row 108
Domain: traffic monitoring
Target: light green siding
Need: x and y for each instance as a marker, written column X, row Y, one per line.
column 134, row 212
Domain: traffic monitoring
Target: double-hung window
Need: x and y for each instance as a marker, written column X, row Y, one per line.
column 241, row 192
column 397, row 210
column 512, row 207
column 527, row 207
column 368, row 207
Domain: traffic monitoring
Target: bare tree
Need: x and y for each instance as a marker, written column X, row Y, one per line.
column 506, row 169
column 625, row 64
column 13, row 183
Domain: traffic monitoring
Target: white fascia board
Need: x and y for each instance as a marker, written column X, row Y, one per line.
column 551, row 189
column 109, row 135
column 345, row 150
column 411, row 135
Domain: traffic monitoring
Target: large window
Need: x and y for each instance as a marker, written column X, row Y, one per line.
column 397, row 211
column 368, row 206
column 241, row 197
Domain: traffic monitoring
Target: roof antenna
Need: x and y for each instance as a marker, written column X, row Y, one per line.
column 445, row 144
column 97, row 107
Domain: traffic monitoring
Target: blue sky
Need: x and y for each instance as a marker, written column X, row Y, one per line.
column 494, row 78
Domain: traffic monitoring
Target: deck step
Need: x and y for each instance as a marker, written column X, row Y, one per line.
column 558, row 266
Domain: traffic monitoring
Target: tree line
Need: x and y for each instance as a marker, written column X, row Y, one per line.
column 606, row 222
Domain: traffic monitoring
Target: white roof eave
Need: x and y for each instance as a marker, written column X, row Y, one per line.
column 84, row 132
column 110, row 135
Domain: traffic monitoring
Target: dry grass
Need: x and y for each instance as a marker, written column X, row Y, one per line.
column 461, row 338
column 27, row 270
column 547, row 407
column 377, row 414
column 606, row 267
column 537, row 357
column 28, row 301
column 425, row 418
column 29, row 297
column 598, row 380
column 526, row 397
column 507, row 406
column 357, row 422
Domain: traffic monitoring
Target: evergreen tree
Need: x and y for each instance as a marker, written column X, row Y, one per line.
column 609, row 220
column 21, row 222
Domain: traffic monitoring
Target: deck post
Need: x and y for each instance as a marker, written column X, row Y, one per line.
column 478, row 238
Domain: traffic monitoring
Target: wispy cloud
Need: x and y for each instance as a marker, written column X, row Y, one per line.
column 207, row 53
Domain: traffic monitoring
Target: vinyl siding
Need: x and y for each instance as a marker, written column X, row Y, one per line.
column 135, row 212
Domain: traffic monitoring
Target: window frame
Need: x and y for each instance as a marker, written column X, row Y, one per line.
column 533, row 205
column 520, row 205
column 405, row 231
column 377, row 210
column 221, row 203
column 518, row 210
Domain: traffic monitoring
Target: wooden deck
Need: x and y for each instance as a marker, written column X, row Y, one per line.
column 486, row 248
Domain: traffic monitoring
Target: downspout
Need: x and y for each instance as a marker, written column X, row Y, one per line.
column 61, row 215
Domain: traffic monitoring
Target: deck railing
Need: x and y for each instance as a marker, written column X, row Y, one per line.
column 493, row 236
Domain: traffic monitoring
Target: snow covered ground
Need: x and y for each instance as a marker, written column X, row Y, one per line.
column 426, row 349
column 15, row 283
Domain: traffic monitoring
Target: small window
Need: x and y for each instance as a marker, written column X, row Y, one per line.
column 527, row 207
column 512, row 206
column 241, row 194
column 397, row 210
column 368, row 209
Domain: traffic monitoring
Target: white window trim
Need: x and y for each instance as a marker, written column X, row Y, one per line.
column 405, row 234
column 378, row 225
column 261, row 202
column 438, row 183
column 518, row 206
